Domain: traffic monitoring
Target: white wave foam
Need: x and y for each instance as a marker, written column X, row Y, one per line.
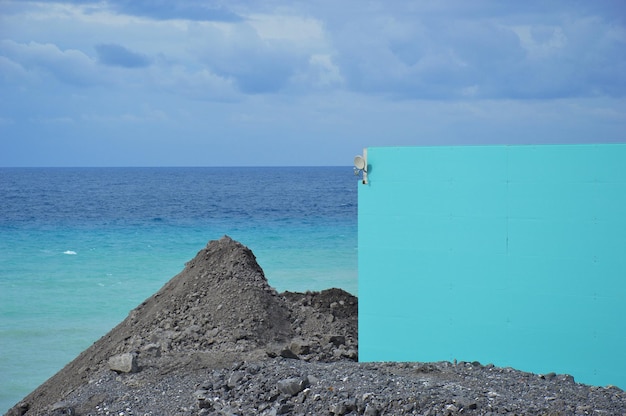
column 69, row 252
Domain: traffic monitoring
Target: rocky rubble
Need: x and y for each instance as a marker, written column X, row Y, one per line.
column 218, row 340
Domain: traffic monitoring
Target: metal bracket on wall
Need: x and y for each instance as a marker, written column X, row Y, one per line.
column 360, row 165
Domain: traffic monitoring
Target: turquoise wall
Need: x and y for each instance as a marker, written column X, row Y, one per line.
column 511, row 255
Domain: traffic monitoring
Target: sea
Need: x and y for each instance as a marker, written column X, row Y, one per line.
column 81, row 247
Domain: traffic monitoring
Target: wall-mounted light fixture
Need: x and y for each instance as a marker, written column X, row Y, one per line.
column 360, row 166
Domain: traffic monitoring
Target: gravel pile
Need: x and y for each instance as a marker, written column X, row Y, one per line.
column 218, row 340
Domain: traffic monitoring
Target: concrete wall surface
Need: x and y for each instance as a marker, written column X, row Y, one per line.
column 511, row 255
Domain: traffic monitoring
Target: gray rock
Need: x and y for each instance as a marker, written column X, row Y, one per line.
column 300, row 347
column 312, row 379
column 343, row 407
column 287, row 353
column 235, row 378
column 153, row 348
column 292, row 386
column 465, row 403
column 337, row 340
column 371, row 410
column 19, row 409
column 201, row 394
column 284, row 408
column 62, row 409
column 205, row 403
column 338, row 409
column 124, row 363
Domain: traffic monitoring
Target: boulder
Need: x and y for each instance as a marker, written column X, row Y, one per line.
column 124, row 363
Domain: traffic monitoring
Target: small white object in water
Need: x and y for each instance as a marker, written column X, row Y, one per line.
column 69, row 252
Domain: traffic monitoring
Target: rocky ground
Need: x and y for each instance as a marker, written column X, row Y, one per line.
column 218, row 340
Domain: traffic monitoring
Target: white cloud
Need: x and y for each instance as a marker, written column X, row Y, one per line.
column 53, row 120
column 297, row 30
column 325, row 73
column 146, row 115
column 541, row 41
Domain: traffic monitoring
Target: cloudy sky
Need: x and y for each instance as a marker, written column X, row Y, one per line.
column 223, row 83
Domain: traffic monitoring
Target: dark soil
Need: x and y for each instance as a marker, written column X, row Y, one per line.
column 218, row 340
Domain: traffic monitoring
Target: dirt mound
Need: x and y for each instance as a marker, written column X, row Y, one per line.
column 221, row 296
column 219, row 309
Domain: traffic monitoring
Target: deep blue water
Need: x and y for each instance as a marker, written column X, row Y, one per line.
column 81, row 247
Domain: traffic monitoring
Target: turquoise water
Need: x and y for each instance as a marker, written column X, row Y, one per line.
column 80, row 248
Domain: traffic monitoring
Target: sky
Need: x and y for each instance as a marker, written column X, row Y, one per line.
column 302, row 83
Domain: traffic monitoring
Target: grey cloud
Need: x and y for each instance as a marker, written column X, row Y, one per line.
column 164, row 10
column 199, row 10
column 257, row 74
column 433, row 58
column 415, row 50
column 69, row 66
column 256, row 66
column 117, row 55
